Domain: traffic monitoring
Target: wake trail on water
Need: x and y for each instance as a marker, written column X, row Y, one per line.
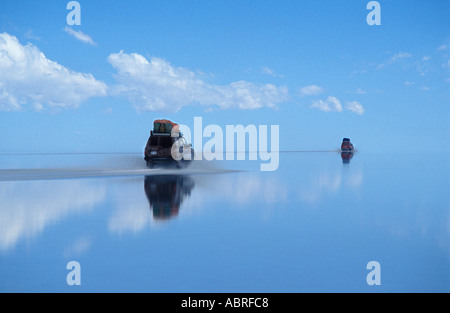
column 118, row 166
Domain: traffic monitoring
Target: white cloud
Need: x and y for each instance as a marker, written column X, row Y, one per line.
column 400, row 55
column 355, row 107
column 311, row 90
column 268, row 71
column 394, row 59
column 330, row 104
column 7, row 101
column 28, row 77
column 321, row 105
column 80, row 36
column 156, row 85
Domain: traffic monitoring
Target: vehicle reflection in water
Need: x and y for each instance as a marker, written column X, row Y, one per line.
column 166, row 193
column 346, row 156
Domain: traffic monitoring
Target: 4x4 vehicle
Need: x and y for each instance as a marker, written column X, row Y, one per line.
column 166, row 144
column 346, row 145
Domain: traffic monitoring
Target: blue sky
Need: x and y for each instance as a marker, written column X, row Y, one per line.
column 316, row 68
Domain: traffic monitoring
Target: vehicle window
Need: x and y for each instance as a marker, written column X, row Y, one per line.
column 165, row 142
column 153, row 141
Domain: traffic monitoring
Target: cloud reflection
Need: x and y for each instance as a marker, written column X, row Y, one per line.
column 137, row 204
column 329, row 183
column 27, row 208
column 170, row 196
column 242, row 189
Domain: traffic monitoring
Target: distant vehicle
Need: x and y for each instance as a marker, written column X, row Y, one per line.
column 166, row 144
column 346, row 145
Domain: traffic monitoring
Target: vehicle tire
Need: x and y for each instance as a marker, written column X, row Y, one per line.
column 150, row 164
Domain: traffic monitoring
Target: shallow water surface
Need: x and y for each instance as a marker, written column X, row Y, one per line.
column 312, row 225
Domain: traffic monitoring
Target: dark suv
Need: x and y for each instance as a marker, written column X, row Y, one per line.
column 346, row 145
column 166, row 144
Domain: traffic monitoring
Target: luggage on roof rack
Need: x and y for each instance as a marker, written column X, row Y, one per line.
column 166, row 126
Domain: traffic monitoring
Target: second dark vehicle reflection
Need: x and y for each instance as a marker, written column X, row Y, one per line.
column 346, row 156
column 166, row 193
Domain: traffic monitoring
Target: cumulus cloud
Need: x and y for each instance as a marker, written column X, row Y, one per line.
column 28, row 77
column 328, row 105
column 156, row 85
column 80, row 36
column 7, row 101
column 355, row 107
column 311, row 90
